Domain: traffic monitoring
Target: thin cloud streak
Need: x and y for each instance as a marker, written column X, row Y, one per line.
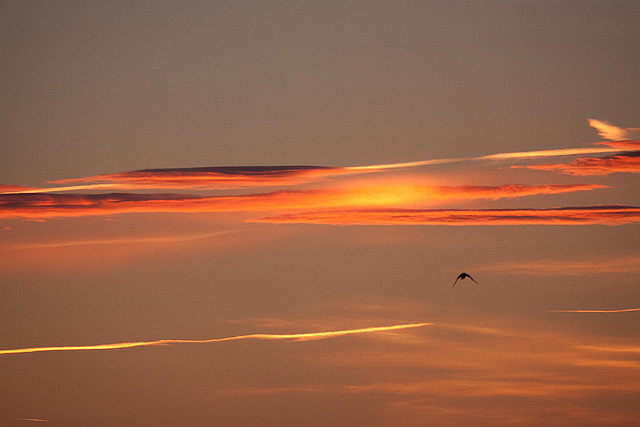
column 605, row 215
column 623, row 310
column 124, row 241
column 612, row 348
column 553, row 267
column 290, row 337
column 75, row 205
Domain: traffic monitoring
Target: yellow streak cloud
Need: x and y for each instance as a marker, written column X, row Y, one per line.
column 293, row 337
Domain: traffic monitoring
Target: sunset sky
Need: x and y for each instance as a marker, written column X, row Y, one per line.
column 253, row 213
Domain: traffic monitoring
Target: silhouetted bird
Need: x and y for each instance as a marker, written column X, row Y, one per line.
column 463, row 276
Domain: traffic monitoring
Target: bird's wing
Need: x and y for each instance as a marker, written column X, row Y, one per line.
column 454, row 283
column 472, row 279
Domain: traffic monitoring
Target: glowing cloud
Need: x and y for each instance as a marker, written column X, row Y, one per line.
column 290, row 337
column 607, row 215
column 614, row 133
column 73, row 205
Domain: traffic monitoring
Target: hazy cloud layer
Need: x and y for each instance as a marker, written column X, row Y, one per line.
column 470, row 367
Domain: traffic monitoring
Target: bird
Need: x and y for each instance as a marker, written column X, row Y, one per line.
column 463, row 276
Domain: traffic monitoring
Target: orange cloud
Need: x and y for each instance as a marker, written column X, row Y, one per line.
column 625, row 162
column 608, row 215
column 622, row 145
column 290, row 337
column 70, row 205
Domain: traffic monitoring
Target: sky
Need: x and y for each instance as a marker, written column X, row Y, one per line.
column 254, row 213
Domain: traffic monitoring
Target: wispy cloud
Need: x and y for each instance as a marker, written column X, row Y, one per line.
column 120, row 241
column 73, row 205
column 614, row 133
column 612, row 348
column 607, row 215
column 554, row 267
column 289, row 337
column 622, row 310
